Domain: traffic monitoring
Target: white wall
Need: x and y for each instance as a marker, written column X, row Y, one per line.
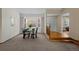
column 9, row 31
column 21, row 23
column 45, row 19
column 42, row 24
column 0, row 21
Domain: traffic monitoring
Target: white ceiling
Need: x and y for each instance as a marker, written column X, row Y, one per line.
column 54, row 10
column 30, row 10
column 38, row 10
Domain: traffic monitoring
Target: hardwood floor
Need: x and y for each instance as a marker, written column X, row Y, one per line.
column 57, row 35
column 63, row 37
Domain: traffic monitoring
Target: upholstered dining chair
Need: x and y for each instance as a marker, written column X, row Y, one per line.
column 26, row 32
column 34, row 32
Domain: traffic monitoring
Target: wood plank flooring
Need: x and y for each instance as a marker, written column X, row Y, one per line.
column 55, row 36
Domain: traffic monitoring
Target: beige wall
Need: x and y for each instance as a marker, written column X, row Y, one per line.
column 9, row 31
column 0, row 21
column 52, row 22
column 59, row 23
column 74, row 22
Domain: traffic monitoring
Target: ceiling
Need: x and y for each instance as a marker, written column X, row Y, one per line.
column 54, row 10
column 37, row 11
column 30, row 10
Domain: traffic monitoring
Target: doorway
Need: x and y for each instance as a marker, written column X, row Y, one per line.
column 65, row 25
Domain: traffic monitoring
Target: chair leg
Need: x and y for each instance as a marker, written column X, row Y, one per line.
column 24, row 36
column 28, row 35
column 32, row 36
column 36, row 36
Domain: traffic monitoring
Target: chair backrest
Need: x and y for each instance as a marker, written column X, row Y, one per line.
column 36, row 30
column 25, row 30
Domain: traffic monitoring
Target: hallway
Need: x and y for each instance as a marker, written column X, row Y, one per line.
column 15, row 20
column 39, row 44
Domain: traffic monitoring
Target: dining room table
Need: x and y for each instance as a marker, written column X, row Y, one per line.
column 29, row 29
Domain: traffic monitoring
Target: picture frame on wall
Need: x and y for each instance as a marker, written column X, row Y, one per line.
column 12, row 21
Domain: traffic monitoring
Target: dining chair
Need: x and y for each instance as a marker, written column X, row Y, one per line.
column 26, row 32
column 34, row 33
